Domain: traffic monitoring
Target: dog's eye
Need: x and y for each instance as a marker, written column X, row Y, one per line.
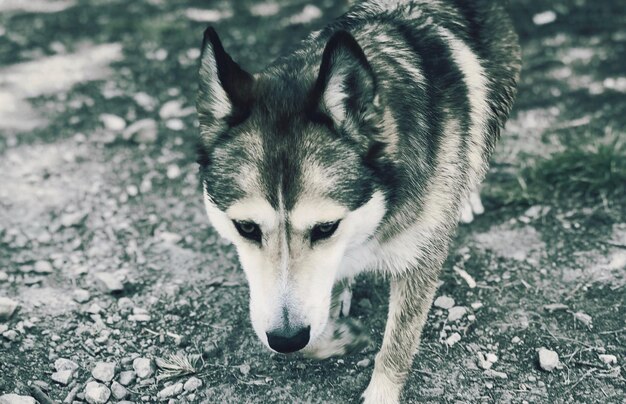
column 323, row 231
column 248, row 230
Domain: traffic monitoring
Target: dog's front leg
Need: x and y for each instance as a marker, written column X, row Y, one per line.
column 409, row 302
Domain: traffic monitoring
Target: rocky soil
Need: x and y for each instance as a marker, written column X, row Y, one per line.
column 115, row 288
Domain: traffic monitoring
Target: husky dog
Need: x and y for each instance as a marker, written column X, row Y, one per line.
column 359, row 151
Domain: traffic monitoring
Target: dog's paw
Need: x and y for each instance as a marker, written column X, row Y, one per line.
column 341, row 301
column 341, row 336
column 471, row 207
column 381, row 390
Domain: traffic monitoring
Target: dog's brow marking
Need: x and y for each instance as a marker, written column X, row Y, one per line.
column 307, row 213
column 476, row 82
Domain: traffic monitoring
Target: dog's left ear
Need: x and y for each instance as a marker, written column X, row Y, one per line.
column 346, row 86
column 225, row 90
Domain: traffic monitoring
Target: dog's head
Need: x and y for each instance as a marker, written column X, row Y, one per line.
column 290, row 163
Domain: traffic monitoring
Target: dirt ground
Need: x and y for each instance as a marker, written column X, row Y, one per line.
column 106, row 250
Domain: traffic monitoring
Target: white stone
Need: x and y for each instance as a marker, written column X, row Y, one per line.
column 3, row 276
column 143, row 131
column 96, row 393
column 548, row 359
column 608, row 359
column 112, row 122
column 109, row 282
column 16, row 399
column 104, row 371
column 173, row 171
column 81, row 295
column 544, row 18
column 192, row 384
column 7, row 308
column 453, row 339
column 63, row 377
column 171, row 391
column 62, row 364
column 175, row 124
column 119, row 391
column 143, row 367
column 456, row 313
column 43, row 267
column 363, row 363
column 127, row 377
column 174, row 109
column 444, row 302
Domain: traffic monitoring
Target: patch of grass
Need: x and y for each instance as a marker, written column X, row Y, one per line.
column 176, row 366
column 596, row 174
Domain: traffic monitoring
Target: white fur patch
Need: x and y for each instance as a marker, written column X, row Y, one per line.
column 306, row 214
column 476, row 81
column 335, row 97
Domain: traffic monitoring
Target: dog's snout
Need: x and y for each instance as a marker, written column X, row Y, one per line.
column 287, row 340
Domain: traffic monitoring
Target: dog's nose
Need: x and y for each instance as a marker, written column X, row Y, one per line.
column 287, row 340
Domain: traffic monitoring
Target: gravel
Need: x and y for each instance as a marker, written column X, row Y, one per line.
column 7, row 308
column 453, row 339
column 143, row 367
column 548, row 359
column 104, row 371
column 97, row 393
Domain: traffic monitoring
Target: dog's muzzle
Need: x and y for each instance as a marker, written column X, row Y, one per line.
column 287, row 340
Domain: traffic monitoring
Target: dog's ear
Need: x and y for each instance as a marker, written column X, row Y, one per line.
column 346, row 86
column 225, row 90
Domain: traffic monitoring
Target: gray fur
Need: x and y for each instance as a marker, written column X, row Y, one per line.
column 404, row 127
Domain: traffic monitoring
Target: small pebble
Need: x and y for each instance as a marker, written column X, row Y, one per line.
column 127, row 377
column 608, row 359
column 104, row 371
column 548, row 359
column 81, row 295
column 7, row 308
column 495, row 374
column 96, row 393
column 453, row 339
column 119, row 391
column 144, row 131
column 192, row 384
column 171, row 391
column 16, row 399
column 143, row 367
column 112, row 122
column 444, row 302
column 456, row 313
column 516, row 340
column 109, row 282
column 173, row 171
column 363, row 363
column 62, row 364
column 43, row 267
column 63, row 377
column 544, row 18
column 3, row 276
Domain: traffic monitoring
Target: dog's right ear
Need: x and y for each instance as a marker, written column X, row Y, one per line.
column 225, row 90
